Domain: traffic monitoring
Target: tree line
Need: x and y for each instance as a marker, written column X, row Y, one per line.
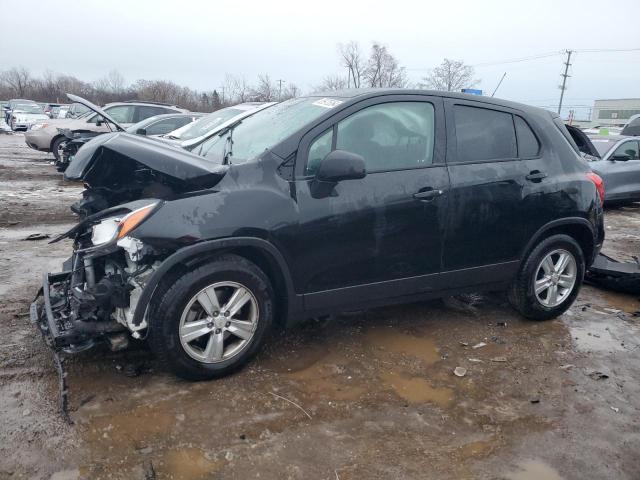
column 376, row 68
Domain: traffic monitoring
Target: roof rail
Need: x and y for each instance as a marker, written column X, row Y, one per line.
column 150, row 102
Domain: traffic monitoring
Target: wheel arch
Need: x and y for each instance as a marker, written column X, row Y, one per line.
column 580, row 229
column 53, row 140
column 261, row 252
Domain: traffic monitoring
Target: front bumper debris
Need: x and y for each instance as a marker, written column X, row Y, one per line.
column 614, row 275
column 56, row 318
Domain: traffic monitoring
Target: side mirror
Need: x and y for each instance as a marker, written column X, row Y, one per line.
column 99, row 122
column 621, row 157
column 341, row 165
column 141, row 131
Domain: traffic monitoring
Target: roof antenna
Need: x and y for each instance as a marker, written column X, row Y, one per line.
column 499, row 83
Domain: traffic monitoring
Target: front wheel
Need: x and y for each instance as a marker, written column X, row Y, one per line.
column 57, row 147
column 212, row 320
column 549, row 279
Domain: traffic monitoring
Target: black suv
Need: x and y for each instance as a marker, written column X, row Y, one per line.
column 317, row 205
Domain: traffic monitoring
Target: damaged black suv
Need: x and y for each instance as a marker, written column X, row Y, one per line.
column 317, row 205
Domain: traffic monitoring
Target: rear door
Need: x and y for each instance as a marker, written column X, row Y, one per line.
column 490, row 183
column 380, row 236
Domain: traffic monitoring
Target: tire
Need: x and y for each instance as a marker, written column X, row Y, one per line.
column 55, row 145
column 522, row 295
column 178, row 307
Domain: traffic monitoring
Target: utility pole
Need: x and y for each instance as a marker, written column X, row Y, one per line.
column 280, row 82
column 565, row 75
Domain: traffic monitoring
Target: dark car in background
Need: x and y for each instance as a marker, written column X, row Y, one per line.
column 318, row 205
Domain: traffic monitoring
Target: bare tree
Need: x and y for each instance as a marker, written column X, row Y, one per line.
column 450, row 76
column 331, row 82
column 18, row 81
column 383, row 70
column 352, row 59
column 265, row 90
column 234, row 90
column 292, row 91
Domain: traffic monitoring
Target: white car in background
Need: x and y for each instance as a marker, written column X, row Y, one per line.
column 21, row 114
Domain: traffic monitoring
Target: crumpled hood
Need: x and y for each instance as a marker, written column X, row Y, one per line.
column 172, row 161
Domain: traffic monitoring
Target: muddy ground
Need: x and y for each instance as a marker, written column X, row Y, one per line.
column 370, row 395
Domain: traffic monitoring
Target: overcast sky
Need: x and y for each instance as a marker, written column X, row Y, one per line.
column 195, row 43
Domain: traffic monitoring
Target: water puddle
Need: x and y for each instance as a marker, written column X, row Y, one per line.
column 387, row 341
column 534, row 470
column 187, row 464
column 131, row 429
column 418, row 390
column 329, row 378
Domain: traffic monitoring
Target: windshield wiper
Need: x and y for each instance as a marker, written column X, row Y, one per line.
column 227, row 154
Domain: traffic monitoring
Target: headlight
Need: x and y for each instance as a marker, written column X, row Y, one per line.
column 115, row 228
column 38, row 126
column 134, row 219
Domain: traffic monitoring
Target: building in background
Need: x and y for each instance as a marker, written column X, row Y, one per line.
column 614, row 112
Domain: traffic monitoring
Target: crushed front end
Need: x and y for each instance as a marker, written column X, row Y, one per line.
column 93, row 299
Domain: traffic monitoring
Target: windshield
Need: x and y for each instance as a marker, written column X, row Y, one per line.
column 205, row 124
column 265, row 129
column 28, row 108
column 603, row 145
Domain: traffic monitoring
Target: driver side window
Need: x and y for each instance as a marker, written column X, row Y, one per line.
column 389, row 136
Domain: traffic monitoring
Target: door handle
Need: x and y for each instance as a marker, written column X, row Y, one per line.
column 427, row 195
column 536, row 176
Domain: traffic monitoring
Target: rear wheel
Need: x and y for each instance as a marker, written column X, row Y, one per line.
column 549, row 279
column 211, row 321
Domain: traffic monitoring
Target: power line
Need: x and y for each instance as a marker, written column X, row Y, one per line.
column 547, row 55
column 518, row 60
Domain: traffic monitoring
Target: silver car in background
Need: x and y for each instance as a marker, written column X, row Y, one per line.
column 618, row 166
column 195, row 133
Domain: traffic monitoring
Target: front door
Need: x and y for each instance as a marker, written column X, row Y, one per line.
column 380, row 236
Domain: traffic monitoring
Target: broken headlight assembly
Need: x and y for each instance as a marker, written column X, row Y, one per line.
column 116, row 228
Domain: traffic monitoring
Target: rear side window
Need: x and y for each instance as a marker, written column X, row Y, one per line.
column 167, row 125
column 528, row 145
column 483, row 134
column 145, row 112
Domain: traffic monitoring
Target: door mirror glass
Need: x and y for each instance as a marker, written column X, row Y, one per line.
column 341, row 165
column 141, row 131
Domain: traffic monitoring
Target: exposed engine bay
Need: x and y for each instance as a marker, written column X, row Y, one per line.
column 94, row 298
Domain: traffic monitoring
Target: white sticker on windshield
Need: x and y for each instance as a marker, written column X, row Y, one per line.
column 327, row 103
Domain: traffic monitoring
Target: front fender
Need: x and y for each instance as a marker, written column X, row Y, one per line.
column 212, row 246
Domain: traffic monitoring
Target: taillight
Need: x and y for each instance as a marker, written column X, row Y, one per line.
column 597, row 181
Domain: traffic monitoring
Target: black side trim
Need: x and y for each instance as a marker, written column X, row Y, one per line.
column 294, row 303
column 356, row 294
